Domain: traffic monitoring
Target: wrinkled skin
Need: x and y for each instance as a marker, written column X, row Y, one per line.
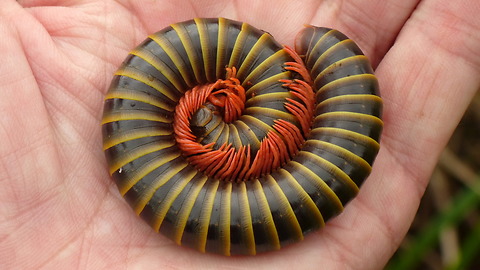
column 60, row 209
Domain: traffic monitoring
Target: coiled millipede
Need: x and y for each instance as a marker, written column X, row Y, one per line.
column 220, row 139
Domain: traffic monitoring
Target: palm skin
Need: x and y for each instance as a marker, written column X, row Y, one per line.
column 60, row 209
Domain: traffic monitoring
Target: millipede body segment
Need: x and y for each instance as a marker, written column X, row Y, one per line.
column 227, row 142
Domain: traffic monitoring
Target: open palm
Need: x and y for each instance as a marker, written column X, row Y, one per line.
column 60, row 209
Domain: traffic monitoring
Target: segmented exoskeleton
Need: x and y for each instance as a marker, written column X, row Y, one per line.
column 220, row 139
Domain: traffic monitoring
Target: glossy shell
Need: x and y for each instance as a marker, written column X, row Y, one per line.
column 260, row 214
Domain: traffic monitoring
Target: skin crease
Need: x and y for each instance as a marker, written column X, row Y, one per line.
column 60, row 209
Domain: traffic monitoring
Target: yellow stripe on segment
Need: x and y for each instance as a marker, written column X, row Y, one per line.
column 265, row 65
column 145, row 169
column 315, row 48
column 133, row 134
column 204, row 220
column 225, row 219
column 215, row 133
column 224, row 135
column 341, row 152
column 343, row 133
column 147, row 194
column 348, row 61
column 246, row 219
column 269, row 97
column 337, row 46
column 158, row 64
column 272, row 113
column 259, row 86
column 122, row 93
column 260, row 124
column 317, row 181
column 223, row 26
column 147, row 80
column 331, row 168
column 325, row 53
column 138, row 152
column 190, row 50
column 239, row 45
column 354, row 81
column 357, row 98
column 303, row 196
column 253, row 54
column 234, row 137
column 352, row 116
column 186, row 209
column 172, row 194
column 246, row 131
column 171, row 51
column 110, row 116
column 205, row 45
column 216, row 120
column 267, row 216
column 285, row 207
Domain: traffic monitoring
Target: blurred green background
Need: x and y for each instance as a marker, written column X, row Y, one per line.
column 446, row 231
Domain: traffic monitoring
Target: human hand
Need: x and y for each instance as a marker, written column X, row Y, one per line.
column 59, row 207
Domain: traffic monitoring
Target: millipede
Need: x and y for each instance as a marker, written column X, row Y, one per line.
column 227, row 142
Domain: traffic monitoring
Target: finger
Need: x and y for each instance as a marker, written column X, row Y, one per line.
column 372, row 24
column 72, row 43
column 22, row 109
column 29, row 180
column 45, row 3
column 428, row 77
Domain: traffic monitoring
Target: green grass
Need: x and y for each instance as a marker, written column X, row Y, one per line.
column 464, row 203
